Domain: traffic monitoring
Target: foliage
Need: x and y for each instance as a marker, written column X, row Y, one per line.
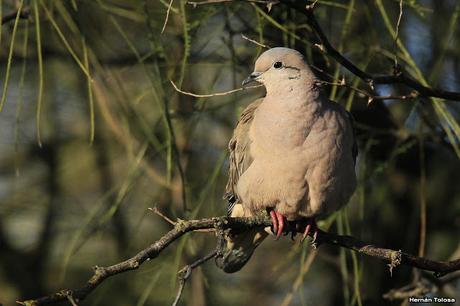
column 93, row 133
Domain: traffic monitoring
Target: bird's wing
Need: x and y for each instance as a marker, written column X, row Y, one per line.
column 238, row 247
column 239, row 148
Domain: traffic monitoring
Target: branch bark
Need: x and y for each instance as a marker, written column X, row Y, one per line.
column 394, row 257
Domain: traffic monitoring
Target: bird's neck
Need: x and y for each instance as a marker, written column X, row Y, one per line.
column 293, row 94
column 284, row 119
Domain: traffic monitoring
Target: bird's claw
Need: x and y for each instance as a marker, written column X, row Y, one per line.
column 310, row 229
column 278, row 221
column 279, row 227
column 274, row 222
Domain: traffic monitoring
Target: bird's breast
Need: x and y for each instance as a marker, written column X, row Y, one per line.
column 277, row 130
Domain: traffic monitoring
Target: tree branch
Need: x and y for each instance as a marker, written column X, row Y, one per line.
column 399, row 76
column 182, row 227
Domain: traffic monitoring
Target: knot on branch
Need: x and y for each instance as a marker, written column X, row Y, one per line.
column 320, row 47
column 371, row 83
column 397, row 70
column 66, row 292
column 181, row 225
column 135, row 264
column 219, row 223
column 184, row 273
column 98, row 271
column 413, row 94
column 395, row 260
column 69, row 296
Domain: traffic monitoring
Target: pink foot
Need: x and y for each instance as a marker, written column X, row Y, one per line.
column 278, row 221
column 311, row 227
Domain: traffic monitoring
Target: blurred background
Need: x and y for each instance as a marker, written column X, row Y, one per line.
column 92, row 133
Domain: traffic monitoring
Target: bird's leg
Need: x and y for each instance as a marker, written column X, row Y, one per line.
column 310, row 226
column 278, row 221
column 280, row 218
column 305, row 233
column 315, row 234
column 274, row 221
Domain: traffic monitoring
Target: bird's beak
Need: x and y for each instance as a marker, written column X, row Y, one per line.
column 251, row 78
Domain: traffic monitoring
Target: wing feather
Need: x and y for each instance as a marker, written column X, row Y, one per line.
column 239, row 149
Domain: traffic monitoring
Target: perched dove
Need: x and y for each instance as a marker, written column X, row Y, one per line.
column 292, row 154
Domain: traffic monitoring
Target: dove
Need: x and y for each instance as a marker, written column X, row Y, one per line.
column 292, row 155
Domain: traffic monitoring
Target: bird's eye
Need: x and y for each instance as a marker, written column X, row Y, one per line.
column 278, row 65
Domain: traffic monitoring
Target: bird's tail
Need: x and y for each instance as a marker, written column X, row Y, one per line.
column 238, row 248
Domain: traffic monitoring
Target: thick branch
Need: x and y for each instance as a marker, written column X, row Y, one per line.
column 101, row 273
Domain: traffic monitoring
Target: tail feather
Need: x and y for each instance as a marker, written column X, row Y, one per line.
column 239, row 247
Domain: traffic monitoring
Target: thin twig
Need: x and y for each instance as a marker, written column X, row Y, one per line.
column 370, row 98
column 312, row 5
column 398, row 23
column 221, row 223
column 442, row 281
column 186, row 272
column 159, row 213
column 167, row 16
column 213, row 94
column 173, row 223
column 255, row 42
column 72, row 300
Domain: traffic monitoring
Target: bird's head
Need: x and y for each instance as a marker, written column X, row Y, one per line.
column 280, row 67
